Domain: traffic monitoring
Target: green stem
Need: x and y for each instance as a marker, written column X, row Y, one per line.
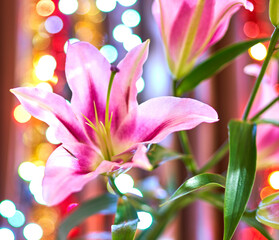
column 184, row 142
column 114, row 187
column 220, row 153
column 190, row 162
column 257, row 115
column 113, row 72
column 271, row 48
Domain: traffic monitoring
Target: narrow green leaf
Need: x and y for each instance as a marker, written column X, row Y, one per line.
column 214, row 64
column 158, row 155
column 267, row 212
column 125, row 222
column 105, row 204
column 197, row 182
column 241, row 173
column 268, row 121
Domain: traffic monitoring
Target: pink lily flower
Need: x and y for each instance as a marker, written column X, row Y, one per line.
column 267, row 134
column 189, row 27
column 104, row 129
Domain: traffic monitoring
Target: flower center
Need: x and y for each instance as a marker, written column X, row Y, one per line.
column 103, row 130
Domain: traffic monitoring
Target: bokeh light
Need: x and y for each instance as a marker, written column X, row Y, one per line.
column 26, row 170
column 140, row 84
column 145, row 220
column 6, row 234
column 121, row 32
column 84, row 7
column 33, row 231
column 136, row 192
column 106, row 5
column 45, row 8
column 127, row 3
column 109, row 52
column 45, row 67
column 35, row 185
column 45, row 86
column 17, row 220
column 258, row 52
column 7, row 208
column 266, row 191
column 131, row 18
column 50, row 136
column 124, row 182
column 273, row 179
column 84, row 31
column 21, row 115
column 68, row 6
column 251, row 29
column 131, row 41
column 53, row 24
column 71, row 40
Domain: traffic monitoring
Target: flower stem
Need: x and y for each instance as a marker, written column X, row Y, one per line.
column 184, row 141
column 257, row 115
column 221, row 152
column 271, row 48
column 114, row 187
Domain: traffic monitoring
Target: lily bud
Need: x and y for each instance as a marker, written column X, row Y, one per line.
column 274, row 12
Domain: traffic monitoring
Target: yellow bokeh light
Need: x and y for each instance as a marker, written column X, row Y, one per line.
column 21, row 115
column 273, row 179
column 45, row 7
column 258, row 52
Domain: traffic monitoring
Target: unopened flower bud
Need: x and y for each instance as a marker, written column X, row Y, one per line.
column 274, row 12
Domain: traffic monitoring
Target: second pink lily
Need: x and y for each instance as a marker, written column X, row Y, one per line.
column 189, row 27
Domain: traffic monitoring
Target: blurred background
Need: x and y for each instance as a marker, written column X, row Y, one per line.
column 34, row 37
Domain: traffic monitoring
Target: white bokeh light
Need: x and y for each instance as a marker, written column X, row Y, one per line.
column 131, row 41
column 106, row 5
column 26, row 170
column 32, row 231
column 121, row 33
column 140, row 84
column 273, row 180
column 127, row 3
column 68, row 6
column 124, row 182
column 109, row 52
column 258, row 52
column 7, row 208
column 35, row 185
column 145, row 220
column 6, row 234
column 45, row 67
column 136, row 192
column 50, row 135
column 131, row 18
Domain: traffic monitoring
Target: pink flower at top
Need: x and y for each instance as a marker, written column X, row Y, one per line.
column 189, row 27
column 267, row 134
column 104, row 129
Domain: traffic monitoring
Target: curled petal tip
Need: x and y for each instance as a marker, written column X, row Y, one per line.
column 249, row 6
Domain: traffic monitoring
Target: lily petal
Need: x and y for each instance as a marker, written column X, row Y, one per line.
column 88, row 73
column 54, row 110
column 123, row 96
column 151, row 123
column 63, row 176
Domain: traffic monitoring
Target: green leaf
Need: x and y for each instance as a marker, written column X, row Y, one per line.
column 267, row 212
column 214, row 64
column 125, row 222
column 197, row 182
column 268, row 121
column 105, row 204
column 250, row 219
column 158, row 155
column 241, row 173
